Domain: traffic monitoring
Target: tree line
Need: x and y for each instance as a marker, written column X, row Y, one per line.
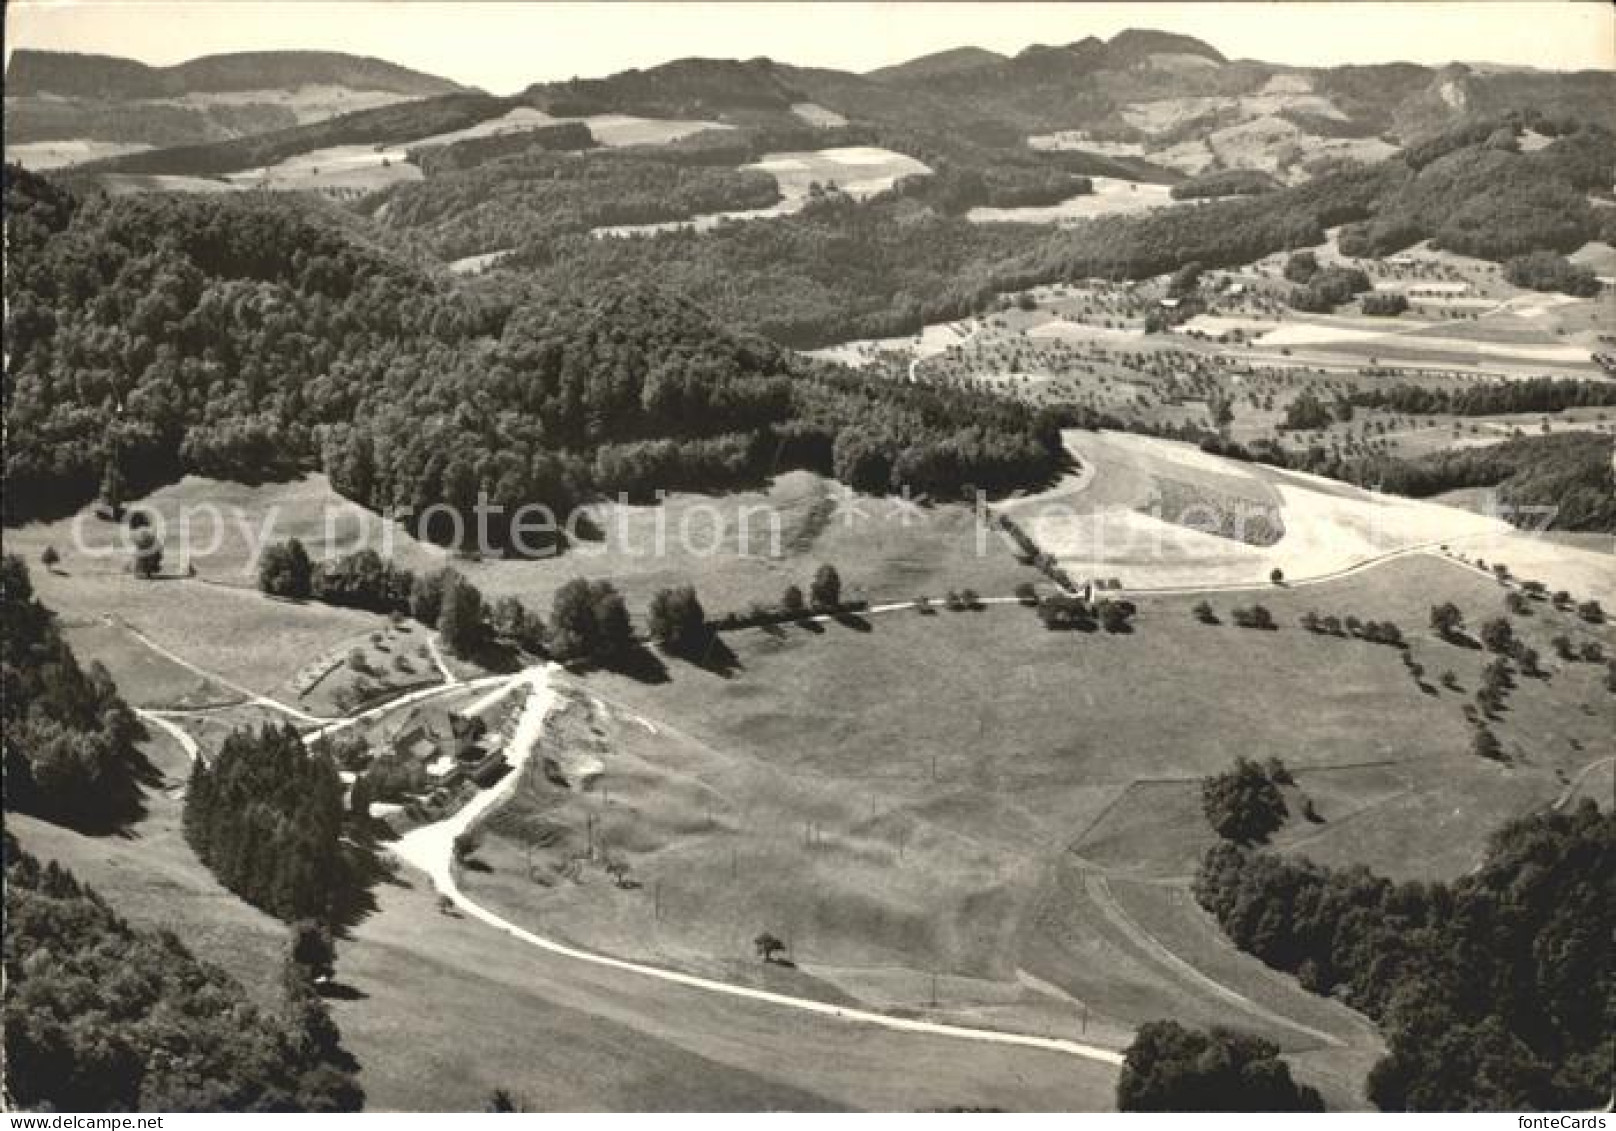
column 100, row 1016
column 1492, row 990
column 265, row 815
column 1534, row 394
column 71, row 742
column 254, row 338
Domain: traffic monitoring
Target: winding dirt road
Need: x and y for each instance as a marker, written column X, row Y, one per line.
column 431, row 849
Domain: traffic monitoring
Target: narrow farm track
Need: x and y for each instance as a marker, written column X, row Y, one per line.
column 449, row 677
column 168, row 726
column 247, row 693
column 1100, row 892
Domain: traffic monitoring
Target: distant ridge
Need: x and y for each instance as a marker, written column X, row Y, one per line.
column 73, row 75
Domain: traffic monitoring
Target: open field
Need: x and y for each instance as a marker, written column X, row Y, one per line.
column 42, row 155
column 217, row 620
column 312, row 102
column 1111, row 197
column 558, row 1035
column 1109, row 527
column 737, row 549
column 361, row 168
column 935, row 795
column 860, row 171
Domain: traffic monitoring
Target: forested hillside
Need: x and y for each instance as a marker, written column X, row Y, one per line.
column 102, row 1017
column 70, row 752
column 252, row 337
column 1494, row 991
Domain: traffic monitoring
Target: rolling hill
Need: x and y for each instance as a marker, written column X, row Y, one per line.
column 63, row 108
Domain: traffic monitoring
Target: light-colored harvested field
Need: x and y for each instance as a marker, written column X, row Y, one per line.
column 520, row 120
column 816, row 115
column 1329, row 527
column 310, row 103
column 625, row 129
column 477, row 264
column 1111, row 197
column 1079, row 139
column 364, row 168
column 1600, row 258
column 42, row 155
column 859, row 171
column 121, row 184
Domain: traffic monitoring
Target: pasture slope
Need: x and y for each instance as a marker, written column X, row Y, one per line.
column 955, row 817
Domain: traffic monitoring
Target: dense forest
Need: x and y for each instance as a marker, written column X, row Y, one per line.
column 1224, row 182
column 1566, row 478
column 1171, row 1068
column 70, row 740
column 102, row 1017
column 1473, row 191
column 1562, row 480
column 250, row 338
column 1494, row 991
column 529, row 200
column 266, row 817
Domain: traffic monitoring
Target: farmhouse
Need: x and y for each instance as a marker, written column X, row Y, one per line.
column 467, row 751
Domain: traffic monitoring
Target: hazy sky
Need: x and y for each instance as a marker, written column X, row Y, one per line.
column 502, row 47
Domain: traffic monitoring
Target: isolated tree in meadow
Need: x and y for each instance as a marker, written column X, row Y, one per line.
column 791, row 601
column 588, row 621
column 1203, row 612
column 112, row 487
column 768, row 947
column 677, row 621
column 1498, row 636
column 1276, row 575
column 1484, row 744
column 50, row 558
column 1115, row 616
column 1170, row 1068
column 466, row 844
column 512, row 620
column 1243, row 804
column 311, row 951
column 1447, row 620
column 148, row 553
column 284, row 570
column 501, row 1102
column 826, row 590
